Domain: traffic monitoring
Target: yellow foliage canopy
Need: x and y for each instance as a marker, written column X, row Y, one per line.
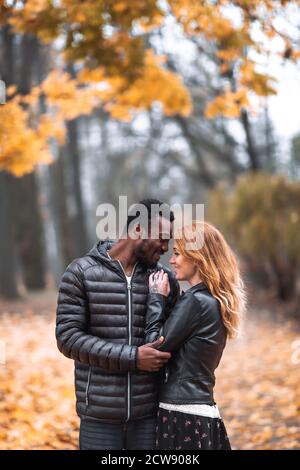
column 119, row 72
column 25, row 134
column 21, row 147
column 229, row 104
column 155, row 84
column 255, row 81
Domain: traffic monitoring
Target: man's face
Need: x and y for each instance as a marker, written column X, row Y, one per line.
column 149, row 251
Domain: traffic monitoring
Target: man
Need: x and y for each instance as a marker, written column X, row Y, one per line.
column 100, row 324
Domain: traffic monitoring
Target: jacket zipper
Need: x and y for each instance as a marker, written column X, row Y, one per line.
column 129, row 334
column 166, row 374
column 87, row 387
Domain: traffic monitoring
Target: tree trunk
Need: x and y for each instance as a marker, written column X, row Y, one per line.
column 286, row 278
column 286, row 284
column 251, row 150
column 29, row 232
column 270, row 151
column 8, row 272
column 73, row 154
column 63, row 221
column 30, row 239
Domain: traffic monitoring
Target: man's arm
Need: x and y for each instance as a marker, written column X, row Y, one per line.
column 74, row 342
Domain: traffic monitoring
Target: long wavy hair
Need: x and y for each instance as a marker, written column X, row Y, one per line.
column 218, row 268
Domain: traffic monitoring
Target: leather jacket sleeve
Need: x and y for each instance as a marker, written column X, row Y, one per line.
column 155, row 317
column 179, row 325
column 73, row 339
column 159, row 308
column 171, row 300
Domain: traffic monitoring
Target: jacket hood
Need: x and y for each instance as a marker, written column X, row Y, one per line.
column 99, row 253
column 99, row 250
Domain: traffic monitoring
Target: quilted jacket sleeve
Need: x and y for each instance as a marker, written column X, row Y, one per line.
column 73, row 339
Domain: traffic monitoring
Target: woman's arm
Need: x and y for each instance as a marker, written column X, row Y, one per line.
column 159, row 290
column 181, row 323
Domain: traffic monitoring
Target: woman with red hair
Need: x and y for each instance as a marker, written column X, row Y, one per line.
column 195, row 333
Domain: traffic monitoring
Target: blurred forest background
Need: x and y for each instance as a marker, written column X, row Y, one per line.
column 169, row 99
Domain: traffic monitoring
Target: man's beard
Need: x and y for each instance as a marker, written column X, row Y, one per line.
column 143, row 259
column 148, row 264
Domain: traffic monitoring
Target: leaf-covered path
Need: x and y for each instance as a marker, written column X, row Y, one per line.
column 257, row 389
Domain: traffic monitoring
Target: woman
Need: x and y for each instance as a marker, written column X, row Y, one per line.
column 195, row 333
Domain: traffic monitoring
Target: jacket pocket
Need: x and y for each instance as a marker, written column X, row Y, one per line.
column 88, row 387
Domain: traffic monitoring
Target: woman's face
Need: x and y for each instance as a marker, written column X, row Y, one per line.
column 184, row 268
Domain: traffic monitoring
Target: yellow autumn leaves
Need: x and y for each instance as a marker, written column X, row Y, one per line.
column 22, row 146
column 257, row 386
column 117, row 70
column 230, row 103
column 154, row 84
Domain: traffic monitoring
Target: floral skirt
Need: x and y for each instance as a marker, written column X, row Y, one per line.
column 182, row 431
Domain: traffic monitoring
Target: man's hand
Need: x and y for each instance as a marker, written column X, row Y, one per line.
column 149, row 358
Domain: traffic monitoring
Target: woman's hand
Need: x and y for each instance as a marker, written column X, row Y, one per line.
column 159, row 283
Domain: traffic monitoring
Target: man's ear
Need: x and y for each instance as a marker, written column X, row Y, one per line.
column 137, row 232
column 141, row 231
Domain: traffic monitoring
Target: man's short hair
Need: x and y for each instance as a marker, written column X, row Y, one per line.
column 148, row 203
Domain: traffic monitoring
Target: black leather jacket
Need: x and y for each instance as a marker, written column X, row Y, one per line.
column 100, row 324
column 195, row 335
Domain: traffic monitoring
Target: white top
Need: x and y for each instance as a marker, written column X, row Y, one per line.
column 127, row 277
column 211, row 411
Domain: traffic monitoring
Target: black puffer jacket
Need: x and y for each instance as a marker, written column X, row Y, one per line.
column 100, row 324
column 195, row 335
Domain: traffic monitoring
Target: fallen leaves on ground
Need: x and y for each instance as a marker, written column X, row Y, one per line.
column 257, row 384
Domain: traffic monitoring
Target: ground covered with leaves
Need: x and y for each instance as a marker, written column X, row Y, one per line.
column 257, row 389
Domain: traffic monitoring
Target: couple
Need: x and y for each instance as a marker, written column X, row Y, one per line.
column 144, row 356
